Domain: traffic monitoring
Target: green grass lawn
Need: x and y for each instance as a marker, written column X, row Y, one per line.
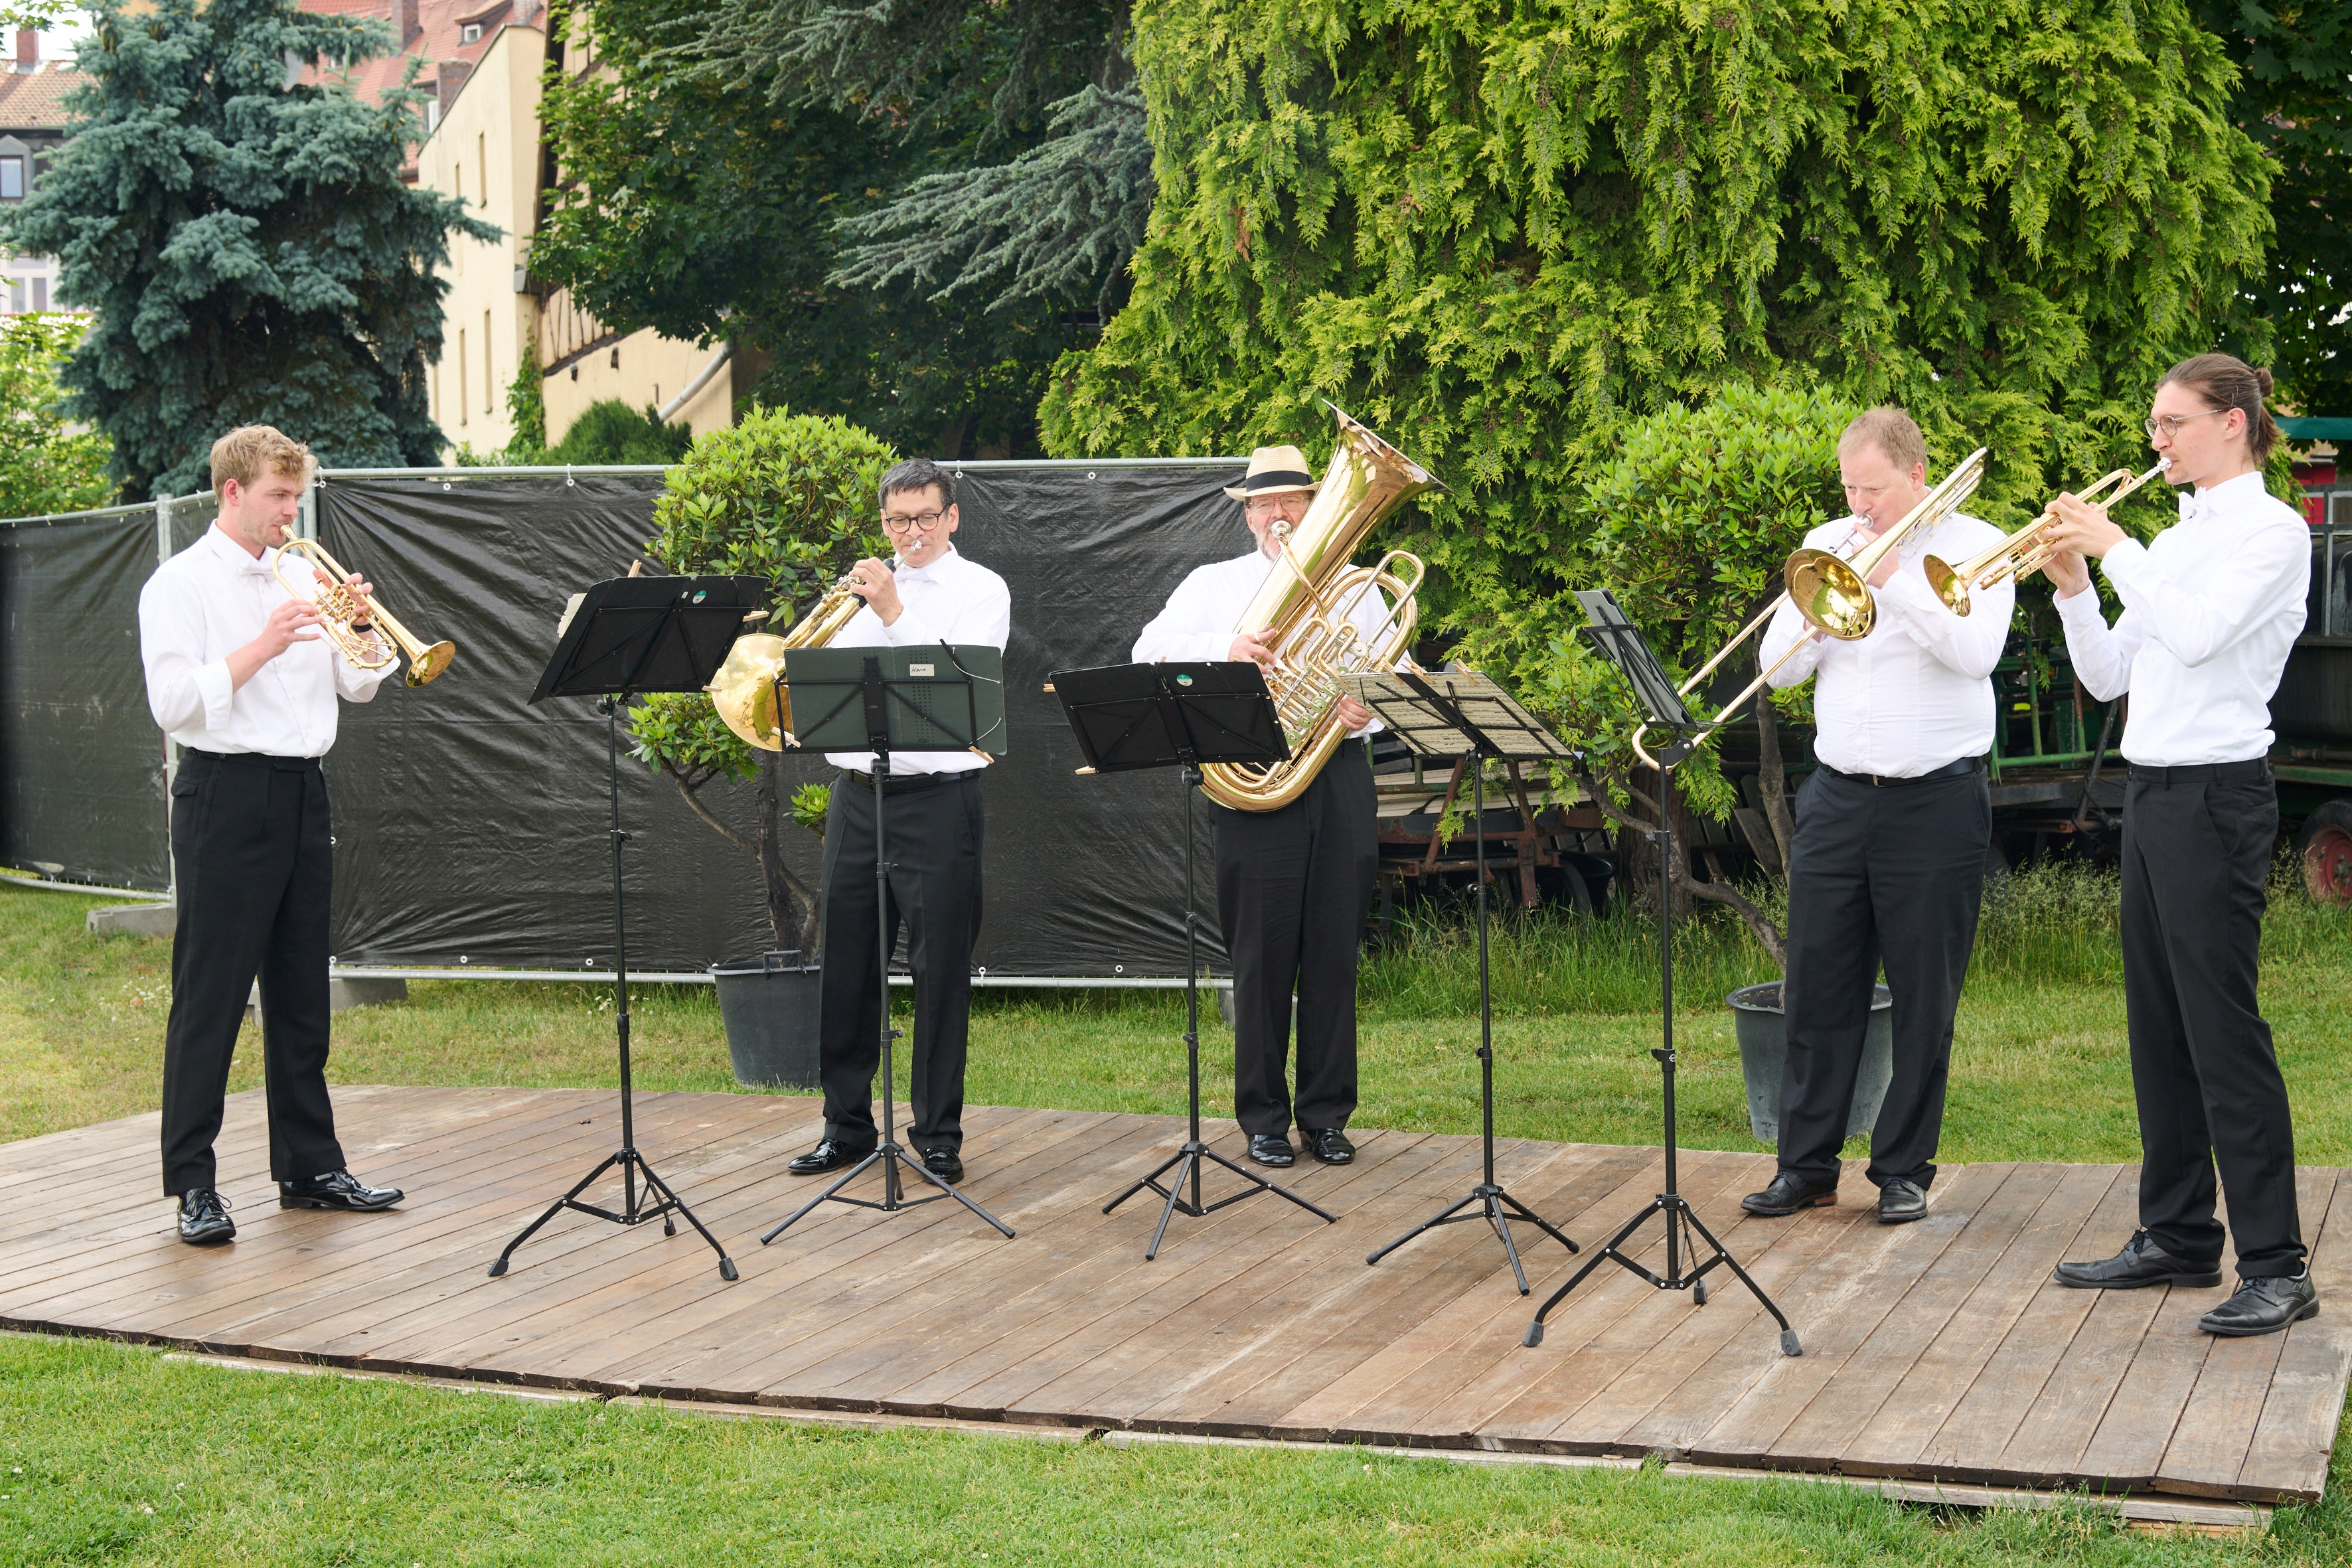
column 301, row 1471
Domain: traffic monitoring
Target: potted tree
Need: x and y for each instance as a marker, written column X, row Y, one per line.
column 1689, row 521
column 790, row 497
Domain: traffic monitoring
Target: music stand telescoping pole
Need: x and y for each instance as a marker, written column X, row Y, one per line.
column 1663, row 708
column 621, row 637
column 913, row 707
column 1462, row 714
column 1131, row 716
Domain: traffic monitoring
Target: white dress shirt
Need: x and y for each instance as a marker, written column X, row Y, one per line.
column 952, row 601
column 1202, row 616
column 1916, row 693
column 205, row 604
column 2210, row 611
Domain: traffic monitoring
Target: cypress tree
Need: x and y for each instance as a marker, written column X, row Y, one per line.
column 1497, row 231
column 245, row 243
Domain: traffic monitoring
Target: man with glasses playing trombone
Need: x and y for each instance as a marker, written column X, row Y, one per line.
column 932, row 594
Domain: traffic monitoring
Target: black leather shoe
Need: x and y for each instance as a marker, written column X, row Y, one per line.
column 1789, row 1193
column 2140, row 1263
column 1327, row 1145
column 944, row 1163
column 1901, row 1202
column 203, row 1218
column 336, row 1190
column 1272, row 1149
column 2263, row 1307
column 830, row 1154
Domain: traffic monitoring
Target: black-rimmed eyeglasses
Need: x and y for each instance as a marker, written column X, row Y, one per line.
column 929, row 521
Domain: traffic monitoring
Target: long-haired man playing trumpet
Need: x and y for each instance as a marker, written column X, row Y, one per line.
column 239, row 674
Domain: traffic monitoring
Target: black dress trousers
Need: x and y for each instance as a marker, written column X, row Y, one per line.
column 2197, row 853
column 1293, row 886
column 1891, row 874
column 255, row 867
column 933, row 837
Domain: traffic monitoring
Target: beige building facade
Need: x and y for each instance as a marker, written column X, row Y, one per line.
column 486, row 149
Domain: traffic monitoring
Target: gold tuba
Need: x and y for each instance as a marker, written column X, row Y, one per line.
column 337, row 607
column 745, row 690
column 1303, row 609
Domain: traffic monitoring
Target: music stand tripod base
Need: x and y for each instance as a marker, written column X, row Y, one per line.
column 622, row 637
column 1179, row 715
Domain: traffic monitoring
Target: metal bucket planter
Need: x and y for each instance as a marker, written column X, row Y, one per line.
column 770, row 1006
column 1763, row 1031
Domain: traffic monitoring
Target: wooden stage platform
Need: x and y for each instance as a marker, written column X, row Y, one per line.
column 1935, row 1351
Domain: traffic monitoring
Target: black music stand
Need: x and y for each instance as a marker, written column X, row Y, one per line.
column 1129, row 716
column 1463, row 714
column 622, row 637
column 1662, row 707
column 932, row 698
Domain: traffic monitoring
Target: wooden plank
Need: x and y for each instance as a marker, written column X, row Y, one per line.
column 1707, row 1357
column 2138, row 1422
column 1975, row 1378
column 1840, row 1313
column 2293, row 1441
column 1428, row 1360
column 2216, row 1430
column 2089, row 1338
column 1360, row 1316
column 1217, row 1254
column 1093, row 1257
column 1521, row 1396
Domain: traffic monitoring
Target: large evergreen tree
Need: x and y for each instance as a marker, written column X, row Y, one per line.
column 245, row 243
column 1495, row 232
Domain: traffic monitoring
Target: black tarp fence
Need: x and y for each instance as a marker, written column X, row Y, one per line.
column 81, row 763
column 470, row 828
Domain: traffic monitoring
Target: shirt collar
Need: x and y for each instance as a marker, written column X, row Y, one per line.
column 932, row 574
column 232, row 554
column 2219, row 500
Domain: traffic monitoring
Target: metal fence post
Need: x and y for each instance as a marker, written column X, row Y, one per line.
column 171, row 752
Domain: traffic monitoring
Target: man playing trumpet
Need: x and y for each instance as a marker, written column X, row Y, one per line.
column 239, row 676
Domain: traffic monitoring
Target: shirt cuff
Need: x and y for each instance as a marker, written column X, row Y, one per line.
column 2081, row 609
column 218, row 690
column 2124, row 562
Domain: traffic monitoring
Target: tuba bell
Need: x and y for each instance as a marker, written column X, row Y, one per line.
column 750, row 699
column 1303, row 609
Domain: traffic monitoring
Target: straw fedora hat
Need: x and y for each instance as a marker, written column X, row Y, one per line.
column 1272, row 471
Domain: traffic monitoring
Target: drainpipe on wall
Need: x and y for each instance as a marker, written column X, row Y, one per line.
column 669, row 410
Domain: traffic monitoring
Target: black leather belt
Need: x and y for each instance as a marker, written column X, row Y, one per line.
column 1957, row 768
column 905, row 784
column 2256, row 770
column 245, row 760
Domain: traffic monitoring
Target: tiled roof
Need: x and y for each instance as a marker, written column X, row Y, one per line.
column 440, row 25
column 36, row 100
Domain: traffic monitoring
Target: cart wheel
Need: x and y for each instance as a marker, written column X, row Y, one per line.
column 2324, row 846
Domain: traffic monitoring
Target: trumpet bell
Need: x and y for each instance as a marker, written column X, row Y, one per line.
column 1831, row 594
column 424, row 664
column 744, row 692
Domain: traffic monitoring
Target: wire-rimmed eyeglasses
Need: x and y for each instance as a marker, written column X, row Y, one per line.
column 2171, row 423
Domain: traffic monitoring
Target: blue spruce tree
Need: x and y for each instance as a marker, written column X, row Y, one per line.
column 246, row 242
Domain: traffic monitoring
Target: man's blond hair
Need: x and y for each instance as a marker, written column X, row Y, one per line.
column 1892, row 431
column 249, row 451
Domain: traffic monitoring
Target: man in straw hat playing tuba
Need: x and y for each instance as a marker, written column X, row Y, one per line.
column 1293, row 885
column 238, row 676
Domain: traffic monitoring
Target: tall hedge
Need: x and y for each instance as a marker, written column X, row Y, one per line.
column 1497, row 231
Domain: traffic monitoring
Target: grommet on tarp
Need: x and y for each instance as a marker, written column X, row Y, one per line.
column 568, row 479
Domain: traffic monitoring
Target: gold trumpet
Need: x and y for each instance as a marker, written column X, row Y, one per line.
column 2028, row 550
column 1832, row 593
column 337, row 607
column 1303, row 608
column 749, row 699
